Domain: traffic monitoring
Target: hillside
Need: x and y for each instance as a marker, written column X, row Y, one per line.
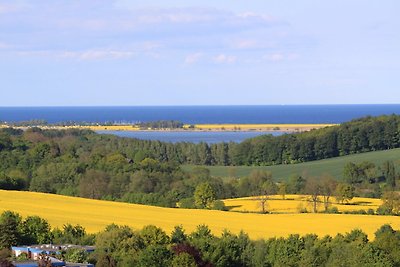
column 293, row 203
column 333, row 166
column 94, row 215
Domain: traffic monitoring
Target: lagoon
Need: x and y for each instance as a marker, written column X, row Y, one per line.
column 209, row 137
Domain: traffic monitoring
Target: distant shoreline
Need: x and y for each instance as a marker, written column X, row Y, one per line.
column 194, row 128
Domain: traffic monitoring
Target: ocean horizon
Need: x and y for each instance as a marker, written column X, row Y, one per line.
column 234, row 114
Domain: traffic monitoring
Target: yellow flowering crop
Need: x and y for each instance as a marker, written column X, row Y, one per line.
column 94, row 215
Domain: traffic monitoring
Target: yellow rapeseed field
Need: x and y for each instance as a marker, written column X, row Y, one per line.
column 294, row 203
column 94, row 215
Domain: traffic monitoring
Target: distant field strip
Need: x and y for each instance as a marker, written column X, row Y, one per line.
column 260, row 127
column 292, row 204
column 94, row 215
column 333, row 166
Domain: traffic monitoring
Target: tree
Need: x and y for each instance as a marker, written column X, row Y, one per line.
column 296, row 184
column 344, row 192
column 267, row 188
column 71, row 234
column 178, row 235
column 283, row 190
column 153, row 256
column 328, row 186
column 391, row 203
column 204, row 196
column 314, row 189
column 5, row 258
column 36, row 230
column 94, row 184
column 152, row 235
column 183, row 260
column 351, row 173
column 10, row 234
column 389, row 171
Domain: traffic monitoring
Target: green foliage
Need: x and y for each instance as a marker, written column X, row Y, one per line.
column 70, row 234
column 183, row 260
column 152, row 235
column 36, row 230
column 178, row 235
column 344, row 192
column 5, row 258
column 10, row 234
column 391, row 204
column 154, row 256
column 204, row 196
column 76, row 255
column 121, row 246
column 219, row 205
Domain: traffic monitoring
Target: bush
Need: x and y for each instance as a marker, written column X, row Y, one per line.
column 187, row 203
column 384, row 210
column 362, row 212
column 333, row 210
column 370, row 212
column 219, row 205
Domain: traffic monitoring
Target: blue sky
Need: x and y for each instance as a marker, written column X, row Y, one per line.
column 175, row 52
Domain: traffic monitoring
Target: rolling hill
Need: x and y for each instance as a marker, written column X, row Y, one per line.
column 332, row 166
column 94, row 215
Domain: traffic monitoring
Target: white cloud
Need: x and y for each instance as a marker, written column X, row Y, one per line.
column 97, row 54
column 246, row 44
column 278, row 56
column 222, row 58
column 193, row 58
column 9, row 8
column 87, row 55
column 4, row 45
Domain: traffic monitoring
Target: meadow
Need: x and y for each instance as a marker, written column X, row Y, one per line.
column 332, row 166
column 94, row 215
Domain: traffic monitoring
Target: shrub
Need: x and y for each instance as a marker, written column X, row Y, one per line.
column 219, row 205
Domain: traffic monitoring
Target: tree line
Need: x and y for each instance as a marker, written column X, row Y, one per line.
column 70, row 161
column 357, row 136
column 151, row 246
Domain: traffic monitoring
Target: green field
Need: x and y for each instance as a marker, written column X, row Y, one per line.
column 333, row 166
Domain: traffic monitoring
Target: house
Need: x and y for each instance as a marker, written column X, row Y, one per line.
column 33, row 255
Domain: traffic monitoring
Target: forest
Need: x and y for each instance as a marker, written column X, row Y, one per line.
column 70, row 161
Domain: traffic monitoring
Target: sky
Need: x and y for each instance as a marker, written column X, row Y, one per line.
column 208, row 52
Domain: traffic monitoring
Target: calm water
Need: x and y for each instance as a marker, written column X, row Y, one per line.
column 192, row 137
column 200, row 114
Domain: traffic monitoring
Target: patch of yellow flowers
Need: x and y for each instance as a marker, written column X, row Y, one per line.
column 94, row 215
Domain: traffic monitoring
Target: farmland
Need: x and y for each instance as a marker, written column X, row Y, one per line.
column 293, row 203
column 94, row 215
column 332, row 166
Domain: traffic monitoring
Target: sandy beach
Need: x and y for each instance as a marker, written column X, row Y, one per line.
column 196, row 127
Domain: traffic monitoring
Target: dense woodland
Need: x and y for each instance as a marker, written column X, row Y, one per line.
column 151, row 246
column 357, row 136
column 70, row 161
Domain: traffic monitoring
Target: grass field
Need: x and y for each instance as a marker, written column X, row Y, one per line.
column 333, row 166
column 293, row 203
column 94, row 215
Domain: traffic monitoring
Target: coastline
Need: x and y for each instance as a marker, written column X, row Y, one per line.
column 194, row 128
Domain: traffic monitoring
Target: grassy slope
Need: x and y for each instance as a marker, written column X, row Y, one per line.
column 333, row 166
column 94, row 215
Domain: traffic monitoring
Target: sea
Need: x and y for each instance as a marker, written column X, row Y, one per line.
column 274, row 114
